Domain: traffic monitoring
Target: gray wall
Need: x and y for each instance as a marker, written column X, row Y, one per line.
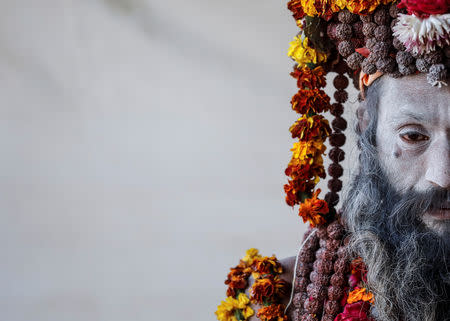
column 142, row 146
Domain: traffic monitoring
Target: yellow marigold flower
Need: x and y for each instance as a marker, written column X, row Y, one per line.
column 303, row 54
column 307, row 151
column 226, row 310
column 321, row 8
column 250, row 255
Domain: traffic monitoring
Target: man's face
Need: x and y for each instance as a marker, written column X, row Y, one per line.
column 413, row 141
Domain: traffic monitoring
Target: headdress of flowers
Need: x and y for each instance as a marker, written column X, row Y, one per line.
column 361, row 39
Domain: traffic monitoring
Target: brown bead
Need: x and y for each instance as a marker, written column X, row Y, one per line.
column 339, row 124
column 299, row 299
column 303, row 269
column 313, row 277
column 436, row 73
column 357, row 29
column 342, row 252
column 309, row 317
column 341, row 266
column 422, row 65
column 398, row 44
column 340, row 82
column 370, row 42
column 318, row 292
column 323, row 279
column 346, row 48
column 337, row 139
column 368, row 29
column 381, row 16
column 332, row 199
column 332, row 307
column 366, row 18
column 306, row 256
column 301, row 284
column 337, row 109
column 337, row 279
column 386, row 64
column 335, row 292
column 358, row 42
column 346, row 16
column 335, row 185
column 333, row 245
column 328, row 317
column 380, row 50
column 382, row 33
column 324, row 267
column 341, row 96
column 407, row 70
column 394, row 11
column 331, row 30
column 404, row 58
column 354, row 60
column 336, row 154
column 312, row 306
column 335, row 170
column 368, row 67
column 335, row 230
column 344, row 31
column 434, row 57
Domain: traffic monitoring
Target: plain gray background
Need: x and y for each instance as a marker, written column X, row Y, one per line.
column 143, row 145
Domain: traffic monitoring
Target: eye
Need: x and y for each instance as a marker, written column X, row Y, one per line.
column 413, row 137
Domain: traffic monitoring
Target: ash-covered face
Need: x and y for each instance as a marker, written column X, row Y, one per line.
column 397, row 207
column 413, row 142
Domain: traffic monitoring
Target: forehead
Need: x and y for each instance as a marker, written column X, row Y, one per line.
column 413, row 98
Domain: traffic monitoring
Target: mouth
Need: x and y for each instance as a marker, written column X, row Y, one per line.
column 439, row 213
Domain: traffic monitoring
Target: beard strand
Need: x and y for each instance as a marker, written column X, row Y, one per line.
column 408, row 263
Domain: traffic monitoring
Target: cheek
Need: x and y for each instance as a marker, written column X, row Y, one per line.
column 403, row 167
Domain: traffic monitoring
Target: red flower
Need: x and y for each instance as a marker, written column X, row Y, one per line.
column 355, row 312
column 313, row 210
column 424, row 8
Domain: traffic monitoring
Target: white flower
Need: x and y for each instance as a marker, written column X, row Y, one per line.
column 423, row 35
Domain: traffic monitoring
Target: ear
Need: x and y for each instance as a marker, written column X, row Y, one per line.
column 363, row 118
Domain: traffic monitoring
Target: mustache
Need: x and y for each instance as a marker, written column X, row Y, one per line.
column 432, row 199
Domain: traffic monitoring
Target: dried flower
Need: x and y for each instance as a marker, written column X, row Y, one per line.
column 310, row 101
column 360, row 294
column 231, row 307
column 274, row 312
column 424, row 8
column 309, row 78
column 306, row 128
column 420, row 36
column 313, row 210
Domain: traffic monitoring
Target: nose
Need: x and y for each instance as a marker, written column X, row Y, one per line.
column 438, row 167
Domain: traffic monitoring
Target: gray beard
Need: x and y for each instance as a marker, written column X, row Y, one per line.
column 408, row 263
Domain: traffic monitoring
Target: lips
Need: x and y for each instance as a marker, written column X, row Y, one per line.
column 440, row 213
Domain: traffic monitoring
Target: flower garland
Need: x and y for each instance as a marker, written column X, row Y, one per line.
column 267, row 290
column 306, row 166
column 358, row 300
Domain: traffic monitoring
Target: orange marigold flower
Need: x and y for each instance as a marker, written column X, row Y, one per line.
column 360, row 294
column 266, row 265
column 310, row 100
column 309, row 78
column 274, row 312
column 268, row 289
column 362, row 7
column 314, row 210
column 237, row 280
column 297, row 9
column 315, row 127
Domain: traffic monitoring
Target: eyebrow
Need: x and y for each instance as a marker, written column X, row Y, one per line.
column 420, row 117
